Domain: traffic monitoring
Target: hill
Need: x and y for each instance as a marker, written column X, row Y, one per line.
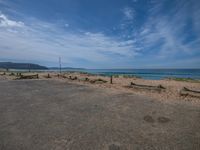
column 11, row 65
column 65, row 68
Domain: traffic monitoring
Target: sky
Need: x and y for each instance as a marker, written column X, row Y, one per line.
column 101, row 33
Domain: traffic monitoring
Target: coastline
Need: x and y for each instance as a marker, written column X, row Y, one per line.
column 149, row 74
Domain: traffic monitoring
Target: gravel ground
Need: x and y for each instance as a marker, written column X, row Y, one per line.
column 54, row 115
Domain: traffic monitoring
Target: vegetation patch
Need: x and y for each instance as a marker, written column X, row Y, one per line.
column 130, row 76
column 185, row 79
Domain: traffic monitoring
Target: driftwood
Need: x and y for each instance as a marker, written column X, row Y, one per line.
column 84, row 79
column 47, row 76
column 87, row 79
column 3, row 74
column 29, row 76
column 98, row 81
column 19, row 74
column 158, row 88
column 72, row 78
column 11, row 74
column 188, row 92
column 61, row 76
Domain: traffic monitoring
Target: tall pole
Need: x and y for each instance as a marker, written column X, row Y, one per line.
column 60, row 64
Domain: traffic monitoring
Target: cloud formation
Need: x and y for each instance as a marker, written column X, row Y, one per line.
column 129, row 13
column 44, row 41
column 145, row 34
column 169, row 36
column 5, row 22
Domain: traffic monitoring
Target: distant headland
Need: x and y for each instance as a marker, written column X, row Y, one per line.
column 11, row 65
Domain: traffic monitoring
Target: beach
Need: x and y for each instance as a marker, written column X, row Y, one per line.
column 122, row 83
column 59, row 113
column 99, row 75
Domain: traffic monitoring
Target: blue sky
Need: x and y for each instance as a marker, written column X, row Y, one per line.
column 101, row 33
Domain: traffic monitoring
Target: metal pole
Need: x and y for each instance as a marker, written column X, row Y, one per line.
column 60, row 64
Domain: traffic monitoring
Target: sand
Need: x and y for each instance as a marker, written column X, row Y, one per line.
column 54, row 114
column 171, row 94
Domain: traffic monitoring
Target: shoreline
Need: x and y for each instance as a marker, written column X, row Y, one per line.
column 122, row 84
column 147, row 74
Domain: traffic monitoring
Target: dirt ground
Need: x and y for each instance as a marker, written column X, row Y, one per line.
column 54, row 115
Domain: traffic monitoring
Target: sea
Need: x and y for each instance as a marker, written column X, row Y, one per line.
column 153, row 74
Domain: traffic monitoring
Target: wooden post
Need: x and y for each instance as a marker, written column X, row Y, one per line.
column 48, row 76
column 29, row 67
column 37, row 76
column 111, row 79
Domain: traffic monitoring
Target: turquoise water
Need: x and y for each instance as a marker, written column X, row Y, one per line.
column 155, row 74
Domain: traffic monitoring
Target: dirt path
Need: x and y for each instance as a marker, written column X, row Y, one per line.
column 53, row 115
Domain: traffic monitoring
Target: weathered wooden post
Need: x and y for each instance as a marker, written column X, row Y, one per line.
column 37, row 76
column 111, row 79
column 29, row 67
column 48, row 76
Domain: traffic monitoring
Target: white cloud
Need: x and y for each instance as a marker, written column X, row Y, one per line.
column 128, row 13
column 5, row 22
column 42, row 41
column 160, row 38
column 167, row 36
